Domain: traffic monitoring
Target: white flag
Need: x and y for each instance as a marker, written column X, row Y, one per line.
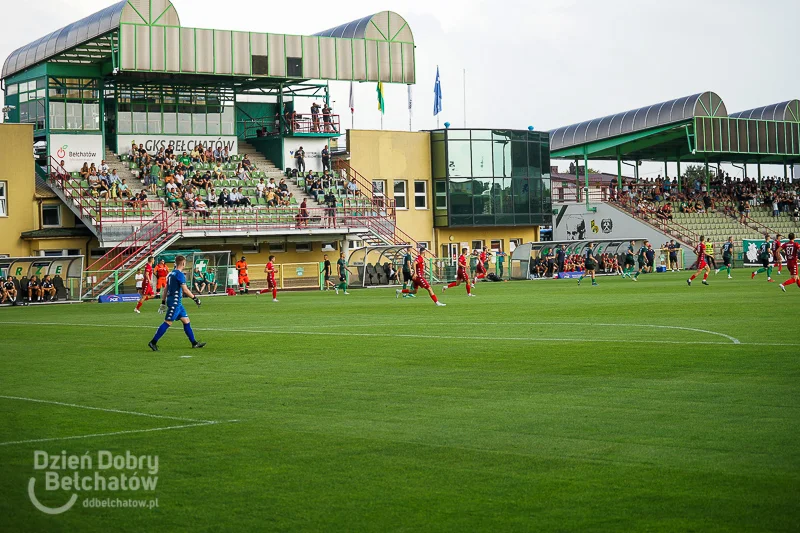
column 410, row 102
column 352, row 101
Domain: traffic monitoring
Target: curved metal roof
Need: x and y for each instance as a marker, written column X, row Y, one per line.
column 673, row 111
column 383, row 26
column 88, row 28
column 784, row 111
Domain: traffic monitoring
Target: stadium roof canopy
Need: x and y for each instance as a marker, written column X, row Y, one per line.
column 694, row 128
column 145, row 37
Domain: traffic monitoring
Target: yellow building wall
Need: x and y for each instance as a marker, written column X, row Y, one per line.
column 16, row 155
column 504, row 234
column 397, row 155
column 84, row 244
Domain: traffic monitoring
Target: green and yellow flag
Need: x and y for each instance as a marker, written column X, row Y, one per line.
column 381, row 103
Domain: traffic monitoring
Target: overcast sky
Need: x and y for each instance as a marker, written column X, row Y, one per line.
column 541, row 63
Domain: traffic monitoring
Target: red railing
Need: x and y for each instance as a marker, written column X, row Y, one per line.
column 670, row 227
column 365, row 187
column 143, row 237
column 572, row 194
column 277, row 218
column 81, row 198
column 304, row 124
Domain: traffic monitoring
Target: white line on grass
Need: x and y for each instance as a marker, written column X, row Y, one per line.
column 118, row 411
column 113, row 433
column 447, row 337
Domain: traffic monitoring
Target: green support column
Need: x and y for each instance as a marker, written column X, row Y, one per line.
column 759, row 172
column 708, row 187
column 666, row 170
column 577, row 182
column 785, row 172
column 280, row 110
column 586, row 175
column 679, row 174
column 619, row 172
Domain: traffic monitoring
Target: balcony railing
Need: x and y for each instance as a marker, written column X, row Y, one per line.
column 299, row 125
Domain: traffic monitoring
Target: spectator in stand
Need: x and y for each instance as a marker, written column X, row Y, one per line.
column 208, row 155
column 218, row 172
column 224, row 199
column 246, row 164
column 196, row 155
column 283, row 186
column 352, row 188
column 315, row 117
column 200, row 207
column 96, row 186
column 226, row 156
column 124, row 190
column 84, row 171
column 216, row 153
column 326, row 159
column 241, row 173
column 326, row 118
column 300, row 160
column 272, row 185
column 261, row 189
column 243, row 200
column 272, row 199
column 303, row 212
column 316, row 190
column 173, row 202
column 327, row 181
column 330, row 209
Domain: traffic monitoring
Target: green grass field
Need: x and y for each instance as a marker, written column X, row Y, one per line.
column 537, row 406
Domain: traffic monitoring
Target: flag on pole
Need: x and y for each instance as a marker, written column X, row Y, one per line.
column 352, row 100
column 410, row 102
column 437, row 94
column 381, row 103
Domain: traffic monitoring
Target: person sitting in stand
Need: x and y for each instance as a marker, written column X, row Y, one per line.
column 241, row 173
column 208, row 155
column 224, row 199
column 200, row 207
column 234, row 197
column 124, row 190
column 195, row 155
column 226, row 156
column 96, row 186
column 173, row 202
column 84, row 171
column 272, row 199
column 246, row 164
column 261, row 189
column 243, row 200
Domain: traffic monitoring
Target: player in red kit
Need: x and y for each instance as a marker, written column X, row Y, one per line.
column 420, row 281
column 776, row 253
column 702, row 266
column 271, row 285
column 147, row 284
column 461, row 274
column 480, row 268
column 791, row 249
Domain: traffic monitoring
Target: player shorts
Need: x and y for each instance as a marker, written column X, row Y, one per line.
column 271, row 283
column 176, row 313
column 641, row 263
column 421, row 282
column 407, row 276
column 727, row 259
column 161, row 283
column 461, row 275
column 327, row 277
column 481, row 269
column 244, row 280
column 792, row 268
column 765, row 263
column 701, row 263
column 589, row 265
column 342, row 279
column 147, row 290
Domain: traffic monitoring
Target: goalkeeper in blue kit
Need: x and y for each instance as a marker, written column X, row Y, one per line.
column 172, row 304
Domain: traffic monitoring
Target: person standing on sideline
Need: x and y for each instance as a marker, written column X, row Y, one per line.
column 501, row 259
column 341, row 266
column 327, row 272
column 326, row 159
column 300, row 160
column 147, row 285
column 172, row 304
column 271, row 285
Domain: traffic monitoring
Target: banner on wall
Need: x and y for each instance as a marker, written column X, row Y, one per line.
column 179, row 143
column 75, row 150
column 750, row 252
column 311, row 147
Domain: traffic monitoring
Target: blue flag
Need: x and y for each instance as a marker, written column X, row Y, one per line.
column 437, row 94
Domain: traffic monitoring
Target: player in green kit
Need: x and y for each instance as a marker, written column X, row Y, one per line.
column 589, row 263
column 727, row 257
column 408, row 271
column 765, row 256
column 642, row 260
column 341, row 266
column 629, row 261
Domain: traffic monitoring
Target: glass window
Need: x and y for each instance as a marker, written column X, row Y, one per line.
column 534, row 160
column 481, row 158
column 91, row 116
column 519, row 159
column 74, row 116
column 400, row 194
column 199, row 123
column 58, row 117
column 139, row 122
column 51, row 216
column 482, row 204
column 154, row 120
column 457, row 134
column 460, row 196
column 481, row 135
column 477, row 245
column 440, row 188
column 23, row 97
column 459, row 164
column 521, row 193
column 421, row 195
column 228, row 120
column 536, row 196
column 41, row 83
column 3, row 199
column 214, row 123
column 124, row 123
column 11, row 89
column 379, row 188
column 439, row 167
column 184, row 122
column 170, row 122
column 502, row 158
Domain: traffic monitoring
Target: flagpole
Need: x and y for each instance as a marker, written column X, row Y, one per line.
column 465, row 96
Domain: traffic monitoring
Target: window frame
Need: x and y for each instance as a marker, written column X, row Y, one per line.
column 303, row 247
column 3, row 198
column 277, row 247
column 423, row 195
column 480, row 245
column 404, row 195
column 48, row 207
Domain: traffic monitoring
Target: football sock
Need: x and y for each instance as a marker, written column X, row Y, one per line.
column 705, row 276
column 187, row 328
column 454, row 284
column 469, row 289
column 693, row 276
column 788, row 282
column 160, row 332
column 434, row 298
column 729, row 270
column 769, row 272
column 139, row 304
column 760, row 270
column 406, row 291
column 581, row 277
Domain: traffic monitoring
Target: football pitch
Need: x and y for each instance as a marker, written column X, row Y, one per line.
column 537, row 406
